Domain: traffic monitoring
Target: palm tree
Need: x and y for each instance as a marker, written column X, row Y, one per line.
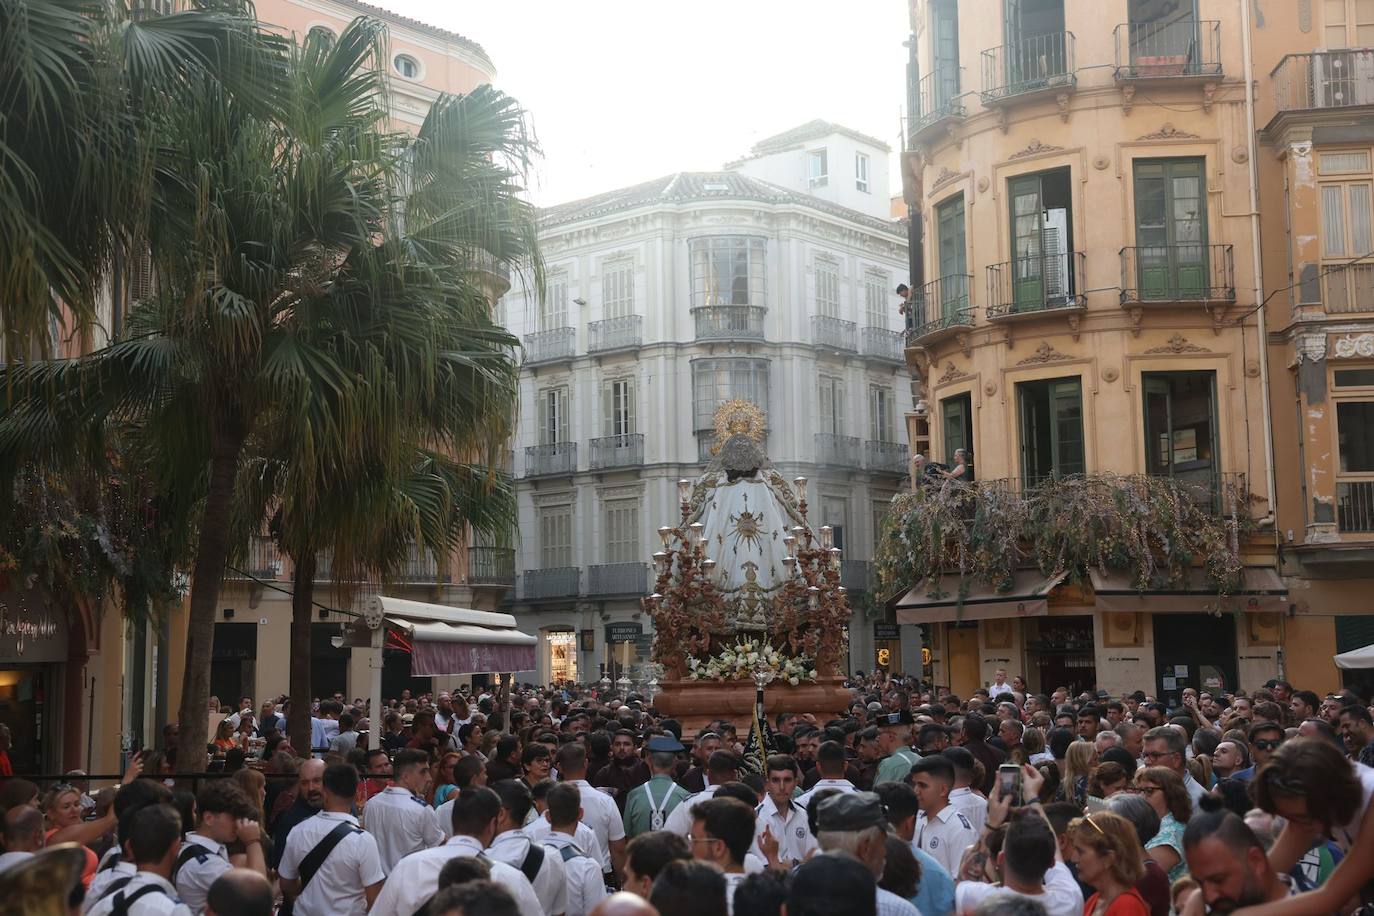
column 314, row 273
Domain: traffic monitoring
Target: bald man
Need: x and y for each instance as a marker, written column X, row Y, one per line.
column 309, row 802
column 624, row 904
column 240, row 892
column 23, row 833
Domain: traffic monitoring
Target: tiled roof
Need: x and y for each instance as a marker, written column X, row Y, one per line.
column 369, row 9
column 689, row 187
column 811, row 130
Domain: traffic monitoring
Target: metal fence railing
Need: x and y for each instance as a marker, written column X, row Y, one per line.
column 1036, row 284
column 1030, row 64
column 880, row 343
column 940, row 96
column 556, row 582
column 554, row 458
column 1178, row 273
column 623, row 451
column 1355, row 505
column 1324, row 79
column 838, row 451
column 1348, row 287
column 729, row 322
column 888, row 457
column 833, row 333
column 618, row 579
column 491, row 565
column 939, row 305
column 620, row 333
column 1168, row 50
column 553, row 344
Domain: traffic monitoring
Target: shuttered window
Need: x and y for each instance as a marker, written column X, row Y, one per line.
column 827, row 289
column 618, row 289
column 879, row 414
column 618, row 407
column 622, row 531
column 555, row 537
column 831, row 402
column 554, row 416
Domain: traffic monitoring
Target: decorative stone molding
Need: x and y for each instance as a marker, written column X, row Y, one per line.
column 1062, row 101
column 990, row 387
column 1240, row 155
column 951, row 373
column 1353, row 346
column 1110, row 374
column 1002, row 119
column 1044, row 354
column 1033, row 148
column 1168, row 131
column 965, row 344
column 1136, row 314
column 1101, row 162
column 946, row 175
column 1074, row 321
column 983, row 184
column 1178, row 344
column 1304, row 16
column 1209, row 91
column 1127, row 97
column 1309, row 347
column 1252, row 368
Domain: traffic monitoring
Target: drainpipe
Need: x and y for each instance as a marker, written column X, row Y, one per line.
column 1262, row 323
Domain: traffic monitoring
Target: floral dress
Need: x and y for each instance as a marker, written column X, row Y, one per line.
column 1171, row 835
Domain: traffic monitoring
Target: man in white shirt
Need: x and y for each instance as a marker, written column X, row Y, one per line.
column 830, row 760
column 245, row 708
column 416, row 877
column 586, row 886
column 853, row 822
column 325, row 727
column 222, row 812
column 517, row 849
column 962, row 797
column 941, row 831
column 331, row 865
column 539, row 830
column 23, row 834
column 722, row 832
column 1030, row 868
column 999, row 686
column 599, row 810
column 779, row 818
column 155, row 842
column 721, row 767
column 398, row 817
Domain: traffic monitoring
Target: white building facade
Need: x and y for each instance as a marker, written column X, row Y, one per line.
column 662, row 301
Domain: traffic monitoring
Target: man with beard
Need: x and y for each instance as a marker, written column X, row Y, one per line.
column 696, row 778
column 1227, row 861
column 309, row 802
column 805, row 744
column 625, row 771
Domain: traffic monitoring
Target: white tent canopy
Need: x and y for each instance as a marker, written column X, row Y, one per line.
column 1356, row 658
column 453, row 640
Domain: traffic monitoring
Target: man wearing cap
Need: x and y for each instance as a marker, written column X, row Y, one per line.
column 647, row 806
column 780, row 819
column 853, row 823
column 894, row 739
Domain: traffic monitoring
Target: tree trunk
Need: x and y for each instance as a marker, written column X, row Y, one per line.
column 302, row 607
column 212, row 553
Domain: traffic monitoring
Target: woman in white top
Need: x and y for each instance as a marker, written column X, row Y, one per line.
column 1320, row 793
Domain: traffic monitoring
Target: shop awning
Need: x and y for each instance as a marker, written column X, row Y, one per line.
column 1261, row 591
column 1356, row 658
column 452, row 640
column 1028, row 597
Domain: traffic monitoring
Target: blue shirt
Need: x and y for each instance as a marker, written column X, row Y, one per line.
column 935, row 893
column 1244, row 775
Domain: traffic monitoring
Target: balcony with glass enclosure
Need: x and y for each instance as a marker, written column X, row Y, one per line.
column 729, row 298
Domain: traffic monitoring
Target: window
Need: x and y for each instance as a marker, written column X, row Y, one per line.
column 956, row 422
column 553, row 309
column 861, row 172
column 1355, row 378
column 876, row 299
column 1171, row 229
column 953, row 253
column 715, row 381
column 880, row 413
column 1348, row 23
column 835, row 513
column 727, row 271
column 1041, row 239
column 407, row 66
column 831, row 400
column 1355, row 436
column 1355, row 450
column 622, row 531
column 1344, row 163
column 827, row 288
column 817, row 171
column 1164, row 37
column 618, row 408
column 1346, row 213
column 1181, row 426
column 618, row 289
column 1051, row 428
column 554, row 416
column 944, row 47
column 555, row 537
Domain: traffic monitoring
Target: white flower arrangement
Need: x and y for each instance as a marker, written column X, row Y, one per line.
column 740, row 661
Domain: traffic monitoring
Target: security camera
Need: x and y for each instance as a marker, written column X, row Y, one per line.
column 579, row 301
column 336, row 642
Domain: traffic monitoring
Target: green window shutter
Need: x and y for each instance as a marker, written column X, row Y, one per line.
column 1066, row 405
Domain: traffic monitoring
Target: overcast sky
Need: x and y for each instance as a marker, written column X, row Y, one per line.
column 622, row 91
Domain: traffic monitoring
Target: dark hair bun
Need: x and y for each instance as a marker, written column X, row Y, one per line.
column 1211, row 802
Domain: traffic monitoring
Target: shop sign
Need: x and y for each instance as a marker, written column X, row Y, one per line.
column 624, row 631
column 888, row 631
column 31, row 632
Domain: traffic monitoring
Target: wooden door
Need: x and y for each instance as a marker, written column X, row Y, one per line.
column 962, row 652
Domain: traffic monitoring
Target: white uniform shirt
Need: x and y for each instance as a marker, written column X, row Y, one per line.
column 401, row 823
column 8, row 859
column 162, row 902
column 200, row 871
column 1062, row 896
column 582, row 870
column 789, row 828
column 844, row 785
column 732, row 881
column 680, row 818
column 600, row 813
column 945, row 836
column 540, row 828
column 104, row 876
column 970, row 805
column 416, row 877
column 351, row 866
column 550, row 883
column 889, row 904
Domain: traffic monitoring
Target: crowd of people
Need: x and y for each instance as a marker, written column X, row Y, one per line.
column 910, row 802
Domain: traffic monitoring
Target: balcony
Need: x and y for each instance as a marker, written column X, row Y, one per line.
column 1355, row 506
column 885, row 457
column 1177, row 273
column 559, row 582
column 1180, row 51
column 1324, row 79
column 837, row 451
column 854, row 575
column 880, row 343
column 833, row 333
column 495, row 273
column 554, row 345
column 491, row 566
column 1348, row 288
column 1032, row 66
column 555, row 458
column 618, row 579
column 260, row 560
column 1031, row 286
column 939, row 309
column 729, row 322
column 941, row 103
column 624, row 333
column 623, row 451
column 420, row 567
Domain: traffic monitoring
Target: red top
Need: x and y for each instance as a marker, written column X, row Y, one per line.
column 1128, row 904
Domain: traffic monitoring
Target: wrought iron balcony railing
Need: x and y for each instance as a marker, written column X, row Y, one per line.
column 1348, row 288
column 621, row 333
column 1177, row 273
column 1036, row 284
column 623, row 451
column 938, row 306
column 261, row 560
column 1032, row 64
column 551, row 345
column 838, row 451
column 729, row 322
column 940, row 95
column 1355, row 505
column 1176, row 49
column 833, row 333
column 886, row 457
column 491, row 565
column 880, row 343
column 421, row 567
column 554, row 458
column 618, row 579
column 1324, row 79
column 557, row 582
